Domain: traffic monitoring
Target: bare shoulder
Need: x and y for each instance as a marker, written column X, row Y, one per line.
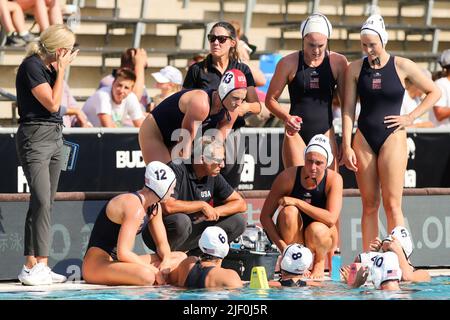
column 197, row 100
column 354, row 68
column 227, row 277
column 334, row 177
column 404, row 64
column 338, row 58
column 286, row 175
column 123, row 205
column 288, row 62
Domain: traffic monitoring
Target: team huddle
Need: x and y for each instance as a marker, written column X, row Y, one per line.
column 187, row 213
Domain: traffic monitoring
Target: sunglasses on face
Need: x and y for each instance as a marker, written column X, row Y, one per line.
column 212, row 38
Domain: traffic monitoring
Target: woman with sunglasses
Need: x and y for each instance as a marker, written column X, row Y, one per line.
column 206, row 74
column 311, row 74
column 168, row 131
column 109, row 258
column 39, row 142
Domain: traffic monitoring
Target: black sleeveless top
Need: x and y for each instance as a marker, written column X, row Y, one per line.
column 197, row 276
column 316, row 197
column 169, row 117
column 381, row 94
column 106, row 233
column 311, row 95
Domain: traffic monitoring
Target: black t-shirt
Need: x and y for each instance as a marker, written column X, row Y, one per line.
column 189, row 188
column 31, row 73
column 198, row 77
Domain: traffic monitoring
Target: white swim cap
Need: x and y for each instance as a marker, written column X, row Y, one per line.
column 320, row 144
column 402, row 234
column 159, row 178
column 385, row 267
column 214, row 242
column 316, row 22
column 375, row 25
column 231, row 80
column 367, row 258
column 296, row 259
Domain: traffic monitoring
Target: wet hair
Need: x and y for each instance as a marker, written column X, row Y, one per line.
column 124, row 73
column 54, row 37
column 233, row 53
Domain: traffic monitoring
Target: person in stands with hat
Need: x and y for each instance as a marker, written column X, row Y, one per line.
column 109, row 258
column 206, row 271
column 440, row 114
column 312, row 75
column 168, row 80
column 310, row 197
column 377, row 152
column 167, row 133
column 295, row 262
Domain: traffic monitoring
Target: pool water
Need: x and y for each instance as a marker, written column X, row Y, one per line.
column 437, row 289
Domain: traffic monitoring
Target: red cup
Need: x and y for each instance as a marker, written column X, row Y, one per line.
column 299, row 121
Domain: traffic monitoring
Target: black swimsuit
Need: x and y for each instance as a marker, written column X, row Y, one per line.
column 106, row 233
column 197, row 276
column 381, row 93
column 316, row 197
column 292, row 283
column 169, row 117
column 311, row 95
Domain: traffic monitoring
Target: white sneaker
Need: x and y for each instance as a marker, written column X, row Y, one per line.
column 38, row 275
column 23, row 273
column 57, row 278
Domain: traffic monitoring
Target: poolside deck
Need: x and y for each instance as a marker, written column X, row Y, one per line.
column 16, row 286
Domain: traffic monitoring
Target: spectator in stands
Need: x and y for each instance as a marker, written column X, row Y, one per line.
column 206, row 74
column 195, row 58
column 167, row 133
column 169, row 81
column 39, row 142
column 412, row 98
column 134, row 59
column 109, row 258
column 245, row 51
column 115, row 106
column 311, row 75
column 377, row 153
column 206, row 271
column 440, row 114
column 46, row 12
column 72, row 114
column 13, row 23
column 311, row 201
column 191, row 209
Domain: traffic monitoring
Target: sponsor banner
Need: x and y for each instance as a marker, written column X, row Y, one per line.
column 111, row 161
column 427, row 218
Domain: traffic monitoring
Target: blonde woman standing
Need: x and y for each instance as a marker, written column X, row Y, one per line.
column 377, row 152
column 39, row 140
